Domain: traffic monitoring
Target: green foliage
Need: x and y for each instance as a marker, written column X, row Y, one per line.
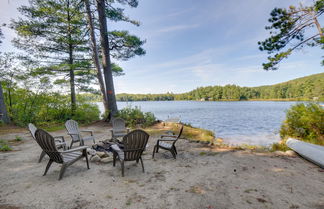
column 306, row 88
column 134, row 117
column 4, row 147
column 279, row 147
column 289, row 30
column 45, row 109
column 305, row 122
column 18, row 138
column 54, row 34
column 125, row 46
column 86, row 113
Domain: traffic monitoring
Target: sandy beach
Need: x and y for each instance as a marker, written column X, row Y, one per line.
column 200, row 177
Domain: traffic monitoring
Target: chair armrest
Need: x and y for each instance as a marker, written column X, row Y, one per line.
column 75, row 149
column 59, row 138
column 116, row 148
column 71, row 134
column 170, row 140
column 89, row 131
column 171, row 136
column 60, row 143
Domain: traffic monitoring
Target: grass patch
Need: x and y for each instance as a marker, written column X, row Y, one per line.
column 189, row 132
column 4, row 147
column 202, row 153
column 250, row 147
column 52, row 126
column 129, row 202
column 18, row 139
column 280, row 146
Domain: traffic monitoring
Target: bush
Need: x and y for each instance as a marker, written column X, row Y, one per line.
column 305, row 122
column 86, row 113
column 281, row 146
column 47, row 109
column 4, row 146
column 134, row 117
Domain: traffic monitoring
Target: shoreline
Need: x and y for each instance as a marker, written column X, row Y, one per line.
column 202, row 176
column 249, row 100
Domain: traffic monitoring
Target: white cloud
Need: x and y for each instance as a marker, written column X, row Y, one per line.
column 177, row 28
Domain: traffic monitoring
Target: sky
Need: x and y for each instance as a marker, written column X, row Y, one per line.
column 192, row 43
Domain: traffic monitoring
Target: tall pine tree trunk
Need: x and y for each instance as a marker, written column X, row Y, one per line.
column 95, row 55
column 3, row 110
column 71, row 67
column 106, row 63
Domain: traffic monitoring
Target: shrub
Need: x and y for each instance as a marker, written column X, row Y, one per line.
column 18, row 138
column 4, row 146
column 134, row 117
column 86, row 113
column 281, row 146
column 305, row 122
column 47, row 109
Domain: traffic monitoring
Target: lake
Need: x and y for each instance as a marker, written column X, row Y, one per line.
column 241, row 122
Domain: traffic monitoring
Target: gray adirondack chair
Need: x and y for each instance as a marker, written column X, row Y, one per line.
column 133, row 145
column 72, row 128
column 59, row 140
column 167, row 142
column 66, row 157
column 118, row 128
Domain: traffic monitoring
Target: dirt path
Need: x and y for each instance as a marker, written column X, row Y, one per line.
column 197, row 179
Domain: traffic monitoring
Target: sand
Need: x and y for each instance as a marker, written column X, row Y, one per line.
column 200, row 177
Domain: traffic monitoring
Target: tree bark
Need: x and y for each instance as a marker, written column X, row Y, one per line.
column 318, row 26
column 72, row 76
column 106, row 62
column 3, row 110
column 95, row 55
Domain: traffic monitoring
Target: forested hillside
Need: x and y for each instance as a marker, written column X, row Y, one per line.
column 305, row 88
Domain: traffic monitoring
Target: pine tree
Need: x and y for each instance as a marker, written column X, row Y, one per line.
column 54, row 35
column 290, row 30
column 118, row 44
column 3, row 109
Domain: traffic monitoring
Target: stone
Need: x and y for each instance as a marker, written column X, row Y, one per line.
column 91, row 152
column 95, row 158
column 290, row 153
column 279, row 153
column 106, row 160
column 102, row 154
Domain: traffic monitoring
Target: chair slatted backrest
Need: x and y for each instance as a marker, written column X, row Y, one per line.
column 118, row 125
column 181, row 130
column 134, row 144
column 32, row 129
column 73, row 129
column 47, row 143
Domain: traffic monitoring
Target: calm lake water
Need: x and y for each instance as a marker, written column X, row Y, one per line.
column 248, row 122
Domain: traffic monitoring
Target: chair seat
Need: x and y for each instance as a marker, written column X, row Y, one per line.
column 67, row 157
column 165, row 145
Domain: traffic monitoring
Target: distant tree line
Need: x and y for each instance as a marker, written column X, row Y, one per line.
column 306, row 88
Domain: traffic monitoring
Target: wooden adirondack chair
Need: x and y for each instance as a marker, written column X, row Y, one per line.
column 118, row 128
column 59, row 140
column 66, row 158
column 133, row 145
column 167, row 142
column 72, row 128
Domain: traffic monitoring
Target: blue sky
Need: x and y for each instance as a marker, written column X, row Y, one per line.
column 194, row 43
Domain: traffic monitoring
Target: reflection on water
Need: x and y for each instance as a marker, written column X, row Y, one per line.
column 249, row 122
